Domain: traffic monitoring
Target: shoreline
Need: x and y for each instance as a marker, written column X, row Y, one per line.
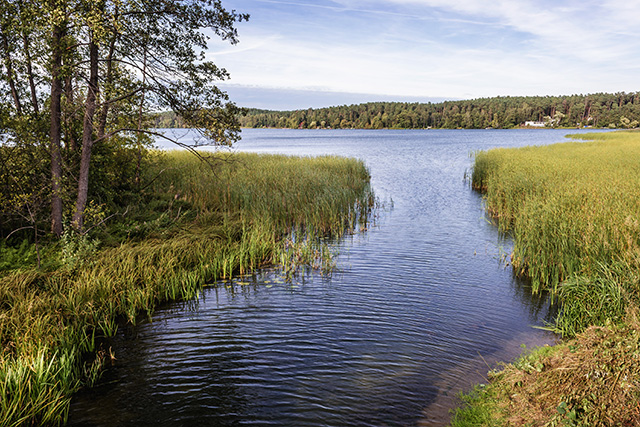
column 206, row 226
column 598, row 295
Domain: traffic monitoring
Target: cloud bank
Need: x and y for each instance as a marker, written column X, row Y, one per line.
column 435, row 48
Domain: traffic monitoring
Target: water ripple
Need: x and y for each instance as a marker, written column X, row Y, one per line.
column 420, row 306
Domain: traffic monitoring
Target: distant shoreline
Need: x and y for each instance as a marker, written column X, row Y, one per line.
column 597, row 111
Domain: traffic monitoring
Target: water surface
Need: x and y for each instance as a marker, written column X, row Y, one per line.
column 420, row 308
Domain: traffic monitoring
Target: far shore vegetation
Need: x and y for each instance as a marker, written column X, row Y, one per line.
column 573, row 210
column 600, row 110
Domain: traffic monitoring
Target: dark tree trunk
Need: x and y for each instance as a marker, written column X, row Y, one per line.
column 87, row 137
column 70, row 115
column 8, row 63
column 55, row 130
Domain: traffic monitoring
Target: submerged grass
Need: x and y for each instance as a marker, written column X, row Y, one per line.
column 211, row 223
column 573, row 210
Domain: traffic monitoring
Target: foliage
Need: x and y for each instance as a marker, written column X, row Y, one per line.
column 42, row 382
column 18, row 256
column 195, row 225
column 592, row 380
column 572, row 209
column 597, row 110
column 597, row 299
column 78, row 83
column 77, row 248
column 477, row 409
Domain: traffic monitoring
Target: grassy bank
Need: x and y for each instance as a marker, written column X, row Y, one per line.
column 573, row 210
column 193, row 225
column 588, row 381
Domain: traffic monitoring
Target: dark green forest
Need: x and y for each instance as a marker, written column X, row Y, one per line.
column 619, row 110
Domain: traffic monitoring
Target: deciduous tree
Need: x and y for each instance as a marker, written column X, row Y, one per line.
column 105, row 66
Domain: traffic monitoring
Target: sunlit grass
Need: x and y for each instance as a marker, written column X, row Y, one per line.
column 245, row 212
column 573, row 210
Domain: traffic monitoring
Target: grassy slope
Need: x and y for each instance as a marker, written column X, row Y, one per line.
column 591, row 380
column 208, row 224
column 573, row 210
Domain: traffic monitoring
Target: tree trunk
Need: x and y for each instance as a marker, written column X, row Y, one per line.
column 72, row 141
column 138, row 136
column 87, row 137
column 26, row 44
column 8, row 63
column 55, row 129
column 32, row 84
column 104, row 111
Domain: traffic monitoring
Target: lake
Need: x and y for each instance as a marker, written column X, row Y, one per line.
column 421, row 306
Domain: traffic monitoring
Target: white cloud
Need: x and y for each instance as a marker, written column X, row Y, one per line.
column 587, row 30
column 467, row 48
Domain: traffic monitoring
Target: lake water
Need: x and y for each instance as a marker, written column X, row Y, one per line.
column 420, row 308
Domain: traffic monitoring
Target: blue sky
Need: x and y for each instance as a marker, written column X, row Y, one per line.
column 303, row 53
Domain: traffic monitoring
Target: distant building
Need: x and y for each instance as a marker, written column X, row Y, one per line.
column 535, row 124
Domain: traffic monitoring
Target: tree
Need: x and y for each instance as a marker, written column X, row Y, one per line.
column 164, row 43
column 108, row 64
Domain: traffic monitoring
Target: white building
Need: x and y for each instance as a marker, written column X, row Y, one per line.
column 535, row 124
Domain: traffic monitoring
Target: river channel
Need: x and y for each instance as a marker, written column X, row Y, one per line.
column 420, row 307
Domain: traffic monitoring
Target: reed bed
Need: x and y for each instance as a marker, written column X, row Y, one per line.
column 573, row 210
column 213, row 220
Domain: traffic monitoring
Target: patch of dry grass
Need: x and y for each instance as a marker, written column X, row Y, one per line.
column 592, row 380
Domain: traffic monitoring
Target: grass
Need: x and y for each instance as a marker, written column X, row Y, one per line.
column 573, row 210
column 195, row 225
column 589, row 381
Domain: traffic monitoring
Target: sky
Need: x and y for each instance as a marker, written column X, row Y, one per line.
column 303, row 53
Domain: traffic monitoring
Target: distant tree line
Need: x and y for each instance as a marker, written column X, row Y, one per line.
column 620, row 110
column 168, row 120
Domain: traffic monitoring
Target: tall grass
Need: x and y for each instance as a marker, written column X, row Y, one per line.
column 573, row 210
column 244, row 212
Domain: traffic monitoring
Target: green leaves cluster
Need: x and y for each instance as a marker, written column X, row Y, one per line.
column 79, row 80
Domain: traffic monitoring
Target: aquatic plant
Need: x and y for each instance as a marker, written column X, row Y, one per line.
column 573, row 210
column 201, row 224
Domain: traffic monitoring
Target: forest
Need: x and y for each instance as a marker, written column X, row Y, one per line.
column 602, row 110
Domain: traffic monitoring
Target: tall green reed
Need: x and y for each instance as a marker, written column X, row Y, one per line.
column 229, row 217
column 573, row 210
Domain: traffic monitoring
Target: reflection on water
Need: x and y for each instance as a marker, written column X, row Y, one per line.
column 420, row 308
